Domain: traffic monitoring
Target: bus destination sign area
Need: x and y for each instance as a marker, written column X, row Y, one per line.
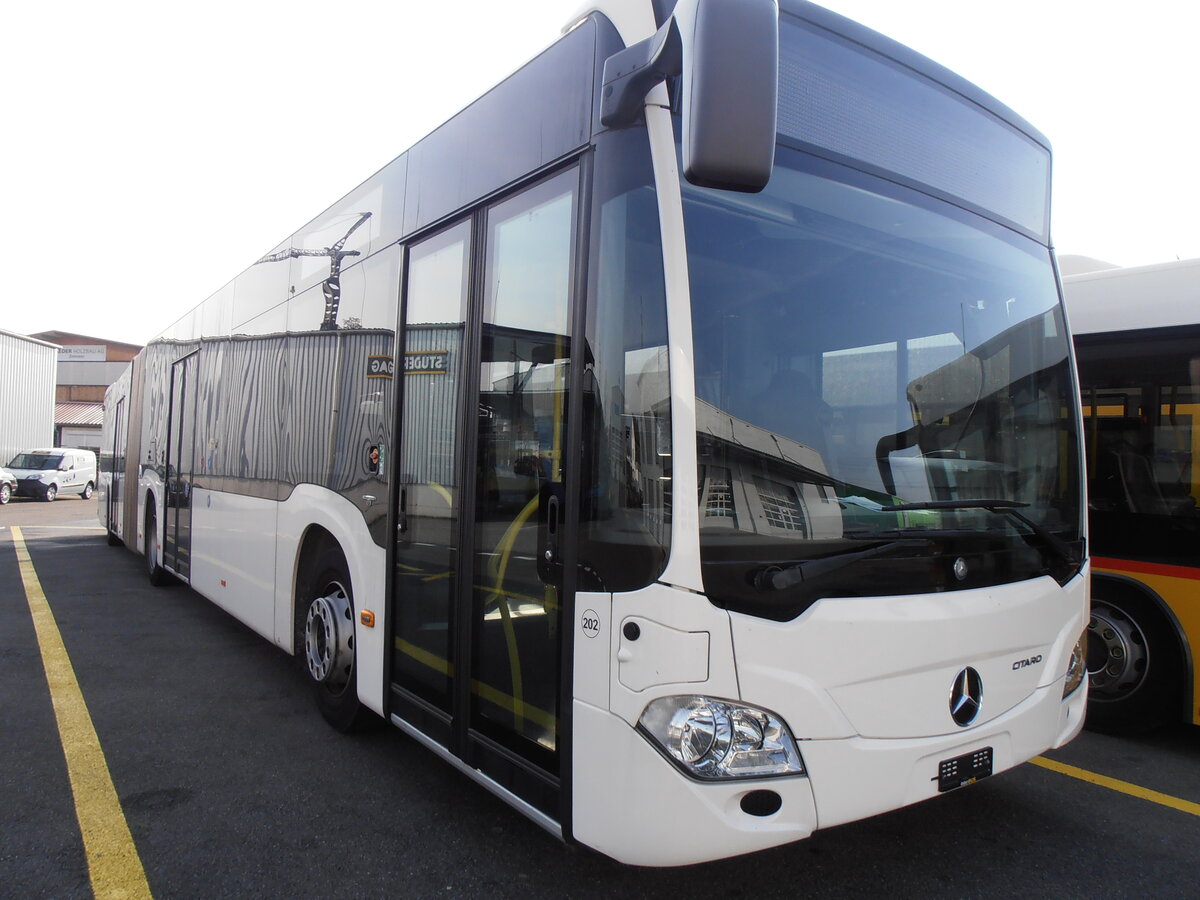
column 426, row 362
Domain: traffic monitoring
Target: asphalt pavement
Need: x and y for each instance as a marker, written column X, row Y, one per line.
column 233, row 786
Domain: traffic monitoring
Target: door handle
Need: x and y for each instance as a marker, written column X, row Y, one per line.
column 552, row 512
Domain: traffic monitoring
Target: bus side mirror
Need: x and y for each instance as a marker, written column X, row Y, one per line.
column 727, row 54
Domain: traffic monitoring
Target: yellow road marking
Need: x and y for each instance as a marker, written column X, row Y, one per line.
column 1114, row 784
column 113, row 863
column 60, row 527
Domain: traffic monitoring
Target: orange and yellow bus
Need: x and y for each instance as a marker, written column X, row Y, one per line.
column 1137, row 342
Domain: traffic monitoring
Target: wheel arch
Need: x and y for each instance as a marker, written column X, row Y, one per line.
column 149, row 490
column 314, row 542
column 308, row 517
column 148, row 505
column 1114, row 586
column 345, row 706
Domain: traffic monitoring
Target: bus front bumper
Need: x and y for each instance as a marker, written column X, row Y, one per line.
column 634, row 805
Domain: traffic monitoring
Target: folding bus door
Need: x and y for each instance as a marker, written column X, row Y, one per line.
column 478, row 593
column 114, row 500
column 181, row 440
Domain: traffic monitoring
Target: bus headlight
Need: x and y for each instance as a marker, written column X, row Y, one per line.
column 718, row 739
column 1077, row 667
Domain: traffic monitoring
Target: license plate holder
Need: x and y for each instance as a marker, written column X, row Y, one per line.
column 963, row 770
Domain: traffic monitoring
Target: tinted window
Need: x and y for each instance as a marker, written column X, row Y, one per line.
column 845, row 98
column 1141, row 398
column 627, row 416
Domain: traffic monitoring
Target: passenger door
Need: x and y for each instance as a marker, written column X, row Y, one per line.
column 478, row 593
column 116, row 471
column 177, row 531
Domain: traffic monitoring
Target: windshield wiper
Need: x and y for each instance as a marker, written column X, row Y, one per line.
column 780, row 578
column 1001, row 507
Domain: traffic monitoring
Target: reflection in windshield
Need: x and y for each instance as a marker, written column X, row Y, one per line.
column 855, row 353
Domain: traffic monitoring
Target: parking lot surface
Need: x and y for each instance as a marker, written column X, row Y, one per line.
column 231, row 785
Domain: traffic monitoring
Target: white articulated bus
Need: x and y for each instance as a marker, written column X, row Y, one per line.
column 682, row 440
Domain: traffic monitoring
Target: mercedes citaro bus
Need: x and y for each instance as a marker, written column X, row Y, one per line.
column 682, row 440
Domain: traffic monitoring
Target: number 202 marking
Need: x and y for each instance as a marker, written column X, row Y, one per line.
column 590, row 623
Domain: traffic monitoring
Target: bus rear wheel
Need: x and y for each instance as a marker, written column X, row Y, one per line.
column 1132, row 663
column 325, row 642
column 157, row 574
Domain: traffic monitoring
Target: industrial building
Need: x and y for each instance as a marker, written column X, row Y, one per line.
column 27, row 372
column 86, row 366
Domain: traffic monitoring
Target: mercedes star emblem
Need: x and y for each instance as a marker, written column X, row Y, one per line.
column 966, row 696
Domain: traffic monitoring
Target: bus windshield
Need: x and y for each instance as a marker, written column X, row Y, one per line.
column 861, row 347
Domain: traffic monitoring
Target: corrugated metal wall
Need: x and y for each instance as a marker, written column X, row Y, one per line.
column 274, row 411
column 158, row 358
column 336, row 413
column 241, row 403
column 430, row 399
column 27, row 370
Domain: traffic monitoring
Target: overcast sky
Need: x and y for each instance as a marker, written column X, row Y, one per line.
column 151, row 151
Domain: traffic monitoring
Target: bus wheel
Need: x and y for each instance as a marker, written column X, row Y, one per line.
column 1133, row 669
column 325, row 642
column 158, row 575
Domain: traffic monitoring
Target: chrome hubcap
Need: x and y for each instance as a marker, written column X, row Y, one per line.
column 1117, row 655
column 329, row 638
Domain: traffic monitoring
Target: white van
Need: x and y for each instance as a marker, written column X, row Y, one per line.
column 60, row 470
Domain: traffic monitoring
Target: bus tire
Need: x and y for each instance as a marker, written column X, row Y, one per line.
column 1134, row 668
column 325, row 640
column 159, row 577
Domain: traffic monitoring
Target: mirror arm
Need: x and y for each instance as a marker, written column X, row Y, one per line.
column 727, row 53
column 630, row 74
